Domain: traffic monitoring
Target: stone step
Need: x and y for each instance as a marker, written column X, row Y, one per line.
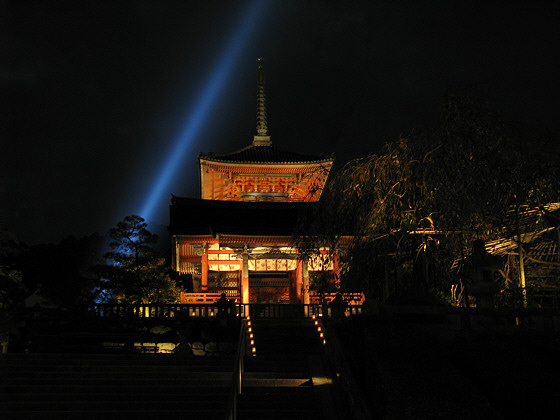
column 279, row 414
column 287, row 357
column 275, row 402
column 284, row 349
column 278, row 403
column 282, row 346
column 291, row 330
column 262, row 363
column 69, row 386
column 275, row 347
column 306, row 337
column 220, row 402
column 279, row 375
column 40, row 359
column 198, row 387
column 165, row 395
column 276, row 382
column 307, row 392
column 56, row 369
column 123, row 373
column 214, row 378
column 207, row 414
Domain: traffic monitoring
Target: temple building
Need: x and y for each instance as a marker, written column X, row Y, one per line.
column 237, row 237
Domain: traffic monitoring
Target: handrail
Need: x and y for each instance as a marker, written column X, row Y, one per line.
column 235, row 389
column 205, row 310
column 161, row 310
column 352, row 393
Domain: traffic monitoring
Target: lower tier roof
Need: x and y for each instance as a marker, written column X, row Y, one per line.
column 193, row 216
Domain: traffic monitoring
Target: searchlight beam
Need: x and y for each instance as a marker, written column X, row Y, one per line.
column 203, row 106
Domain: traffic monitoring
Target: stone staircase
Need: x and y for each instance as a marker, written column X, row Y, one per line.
column 278, row 382
column 96, row 386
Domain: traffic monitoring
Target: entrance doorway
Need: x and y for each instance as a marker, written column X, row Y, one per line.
column 269, row 287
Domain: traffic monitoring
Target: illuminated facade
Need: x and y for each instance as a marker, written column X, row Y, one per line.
column 236, row 238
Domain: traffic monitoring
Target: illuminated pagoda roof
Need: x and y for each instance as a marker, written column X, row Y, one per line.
column 194, row 216
column 263, row 154
column 262, row 171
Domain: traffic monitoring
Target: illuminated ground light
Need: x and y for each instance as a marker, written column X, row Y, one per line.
column 251, row 337
column 204, row 105
column 320, row 332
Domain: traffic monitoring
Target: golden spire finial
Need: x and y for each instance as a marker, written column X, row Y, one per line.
column 262, row 138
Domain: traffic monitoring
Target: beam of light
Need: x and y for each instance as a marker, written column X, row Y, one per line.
column 203, row 106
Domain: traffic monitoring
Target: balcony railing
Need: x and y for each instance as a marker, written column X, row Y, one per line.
column 196, row 310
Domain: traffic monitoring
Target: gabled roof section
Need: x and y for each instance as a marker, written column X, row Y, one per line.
column 263, row 154
column 192, row 216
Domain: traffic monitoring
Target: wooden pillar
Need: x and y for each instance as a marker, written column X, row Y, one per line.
column 293, row 286
column 204, row 279
column 175, row 256
column 305, row 282
column 299, row 281
column 336, row 270
column 245, row 279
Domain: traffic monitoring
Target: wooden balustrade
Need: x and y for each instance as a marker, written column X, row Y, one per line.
column 205, row 310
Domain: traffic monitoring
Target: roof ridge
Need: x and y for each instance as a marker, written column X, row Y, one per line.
column 265, row 154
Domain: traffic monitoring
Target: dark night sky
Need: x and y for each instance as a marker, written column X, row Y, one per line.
column 94, row 93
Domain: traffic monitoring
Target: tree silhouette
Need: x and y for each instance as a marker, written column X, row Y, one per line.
column 137, row 272
column 416, row 206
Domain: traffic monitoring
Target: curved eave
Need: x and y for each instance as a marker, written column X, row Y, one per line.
column 235, row 164
column 257, row 162
column 264, row 155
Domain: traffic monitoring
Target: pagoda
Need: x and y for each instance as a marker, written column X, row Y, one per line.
column 237, row 237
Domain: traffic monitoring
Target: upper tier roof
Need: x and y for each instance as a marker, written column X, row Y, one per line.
column 263, row 154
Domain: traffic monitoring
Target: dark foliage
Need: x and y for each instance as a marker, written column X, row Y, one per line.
column 136, row 271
